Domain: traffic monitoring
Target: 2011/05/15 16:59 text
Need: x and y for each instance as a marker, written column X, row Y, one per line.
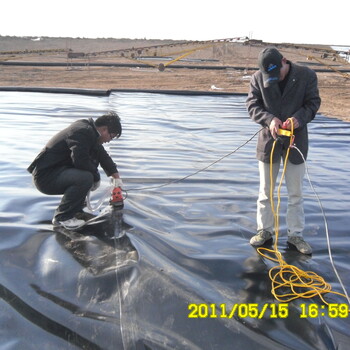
column 269, row 310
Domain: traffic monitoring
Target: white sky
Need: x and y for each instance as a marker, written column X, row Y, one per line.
column 298, row 21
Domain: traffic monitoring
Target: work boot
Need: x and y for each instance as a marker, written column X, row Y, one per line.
column 70, row 224
column 299, row 243
column 260, row 238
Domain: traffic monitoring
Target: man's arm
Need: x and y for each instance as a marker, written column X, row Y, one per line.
column 311, row 104
column 79, row 145
column 257, row 111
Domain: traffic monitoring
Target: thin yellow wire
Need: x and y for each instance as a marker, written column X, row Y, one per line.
column 285, row 277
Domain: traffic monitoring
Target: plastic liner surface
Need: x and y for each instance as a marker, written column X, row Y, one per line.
column 178, row 248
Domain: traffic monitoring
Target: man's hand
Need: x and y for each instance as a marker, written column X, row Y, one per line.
column 116, row 181
column 288, row 125
column 274, row 126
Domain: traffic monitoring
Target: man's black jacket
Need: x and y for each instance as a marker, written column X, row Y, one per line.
column 76, row 147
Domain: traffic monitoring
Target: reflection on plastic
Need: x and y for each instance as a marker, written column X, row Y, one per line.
column 127, row 283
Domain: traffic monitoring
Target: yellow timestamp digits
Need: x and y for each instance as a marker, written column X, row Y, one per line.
column 330, row 310
column 243, row 310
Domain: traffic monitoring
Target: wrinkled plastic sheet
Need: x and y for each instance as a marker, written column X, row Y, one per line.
column 129, row 283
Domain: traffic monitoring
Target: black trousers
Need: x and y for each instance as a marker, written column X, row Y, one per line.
column 73, row 183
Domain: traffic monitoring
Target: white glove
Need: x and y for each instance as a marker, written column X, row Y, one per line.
column 116, row 182
column 95, row 185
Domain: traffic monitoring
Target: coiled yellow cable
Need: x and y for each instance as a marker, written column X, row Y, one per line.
column 288, row 281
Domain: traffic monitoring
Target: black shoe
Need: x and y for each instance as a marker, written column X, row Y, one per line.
column 300, row 244
column 260, row 238
column 82, row 215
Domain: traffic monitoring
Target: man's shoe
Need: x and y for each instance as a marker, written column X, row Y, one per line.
column 70, row 224
column 83, row 215
column 299, row 243
column 260, row 238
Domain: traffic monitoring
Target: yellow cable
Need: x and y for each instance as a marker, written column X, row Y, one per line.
column 288, row 281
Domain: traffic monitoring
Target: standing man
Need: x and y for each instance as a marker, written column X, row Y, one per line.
column 280, row 90
column 69, row 163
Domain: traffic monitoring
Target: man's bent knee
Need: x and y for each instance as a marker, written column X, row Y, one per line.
column 86, row 179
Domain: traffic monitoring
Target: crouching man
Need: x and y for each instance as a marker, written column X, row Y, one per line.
column 69, row 162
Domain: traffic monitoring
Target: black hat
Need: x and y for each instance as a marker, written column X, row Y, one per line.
column 270, row 63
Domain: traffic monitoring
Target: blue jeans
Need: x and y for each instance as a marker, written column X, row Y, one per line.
column 73, row 183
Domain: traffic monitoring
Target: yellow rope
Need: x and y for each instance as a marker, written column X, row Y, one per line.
column 288, row 281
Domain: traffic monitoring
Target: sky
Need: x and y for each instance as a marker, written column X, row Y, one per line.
column 298, row 21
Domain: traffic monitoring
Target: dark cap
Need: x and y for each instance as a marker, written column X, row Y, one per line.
column 270, row 63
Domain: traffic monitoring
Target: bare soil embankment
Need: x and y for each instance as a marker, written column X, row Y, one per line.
column 135, row 64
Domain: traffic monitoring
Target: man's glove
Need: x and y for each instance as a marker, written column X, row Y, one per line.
column 95, row 185
column 116, row 182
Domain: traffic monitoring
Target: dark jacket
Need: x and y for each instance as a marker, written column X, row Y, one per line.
column 300, row 99
column 75, row 147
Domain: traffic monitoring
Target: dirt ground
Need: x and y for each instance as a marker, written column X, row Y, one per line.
column 157, row 65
